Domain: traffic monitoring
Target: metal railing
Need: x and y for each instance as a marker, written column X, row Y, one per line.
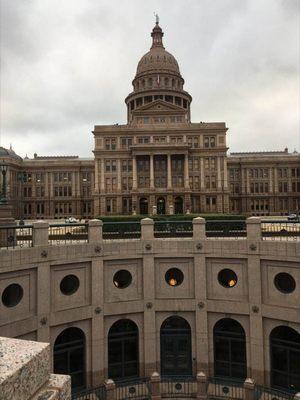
column 266, row 393
column 121, row 230
column 225, row 388
column 67, row 234
column 235, row 229
column 170, row 229
column 138, row 388
column 16, row 236
column 178, row 386
column 280, row 230
column 181, row 387
column 96, row 393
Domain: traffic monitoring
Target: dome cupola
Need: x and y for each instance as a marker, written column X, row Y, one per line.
column 157, row 78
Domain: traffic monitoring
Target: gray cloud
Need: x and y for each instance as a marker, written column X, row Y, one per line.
column 68, row 65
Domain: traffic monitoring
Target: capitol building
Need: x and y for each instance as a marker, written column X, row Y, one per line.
column 158, row 163
column 209, row 314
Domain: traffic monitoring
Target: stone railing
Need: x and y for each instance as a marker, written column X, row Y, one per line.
column 253, row 229
column 25, row 372
column 183, row 387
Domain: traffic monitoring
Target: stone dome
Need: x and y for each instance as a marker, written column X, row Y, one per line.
column 9, row 153
column 157, row 59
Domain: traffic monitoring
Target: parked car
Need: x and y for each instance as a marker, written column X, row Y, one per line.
column 293, row 217
column 71, row 220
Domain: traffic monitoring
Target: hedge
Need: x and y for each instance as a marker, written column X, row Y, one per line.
column 174, row 217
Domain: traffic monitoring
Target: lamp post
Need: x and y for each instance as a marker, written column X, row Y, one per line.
column 3, row 168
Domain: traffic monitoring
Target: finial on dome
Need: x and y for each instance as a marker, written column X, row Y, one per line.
column 157, row 34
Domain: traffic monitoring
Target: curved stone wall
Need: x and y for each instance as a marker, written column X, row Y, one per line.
column 97, row 298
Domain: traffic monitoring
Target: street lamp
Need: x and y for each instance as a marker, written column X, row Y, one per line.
column 3, row 169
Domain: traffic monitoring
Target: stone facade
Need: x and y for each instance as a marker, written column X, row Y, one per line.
column 254, row 301
column 158, row 162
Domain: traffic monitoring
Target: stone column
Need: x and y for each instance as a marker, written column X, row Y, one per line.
column 275, row 180
column 202, row 178
column 244, row 184
column 270, row 181
column 155, row 386
column 247, row 185
column 40, row 233
column 150, row 343
column 253, row 229
column 119, row 178
column 151, row 172
column 102, row 187
column 201, row 386
column 147, row 229
column 169, row 169
column 249, row 386
column 97, row 328
column 96, row 176
column 225, row 174
column 43, row 305
column 186, row 172
column 110, row 387
column 219, row 177
column 95, row 231
column 199, row 229
column 134, row 173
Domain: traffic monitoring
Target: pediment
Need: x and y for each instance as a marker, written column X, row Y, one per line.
column 159, row 106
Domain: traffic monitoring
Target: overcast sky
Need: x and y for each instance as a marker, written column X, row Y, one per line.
column 67, row 65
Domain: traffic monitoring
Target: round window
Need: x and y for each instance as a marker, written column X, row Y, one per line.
column 174, row 277
column 122, row 279
column 69, row 285
column 284, row 282
column 12, row 295
column 227, row 278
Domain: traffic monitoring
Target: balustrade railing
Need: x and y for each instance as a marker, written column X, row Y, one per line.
column 225, row 388
column 133, row 389
column 235, row 229
column 178, row 387
column 253, row 229
column 266, row 393
column 183, row 387
column 16, row 236
column 280, row 230
column 96, row 393
column 121, row 230
column 67, row 233
column 170, row 229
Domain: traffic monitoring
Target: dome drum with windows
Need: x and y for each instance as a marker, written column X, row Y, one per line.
column 158, row 80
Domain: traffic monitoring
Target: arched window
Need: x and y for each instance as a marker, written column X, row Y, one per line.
column 161, row 205
column 175, row 347
column 230, row 358
column 166, row 81
column 285, row 358
column 144, row 206
column 123, row 350
column 69, row 356
column 178, row 202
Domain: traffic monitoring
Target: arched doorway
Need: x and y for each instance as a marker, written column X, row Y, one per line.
column 144, row 206
column 161, row 205
column 285, row 358
column 178, row 202
column 175, row 347
column 69, row 356
column 230, row 359
column 123, row 350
